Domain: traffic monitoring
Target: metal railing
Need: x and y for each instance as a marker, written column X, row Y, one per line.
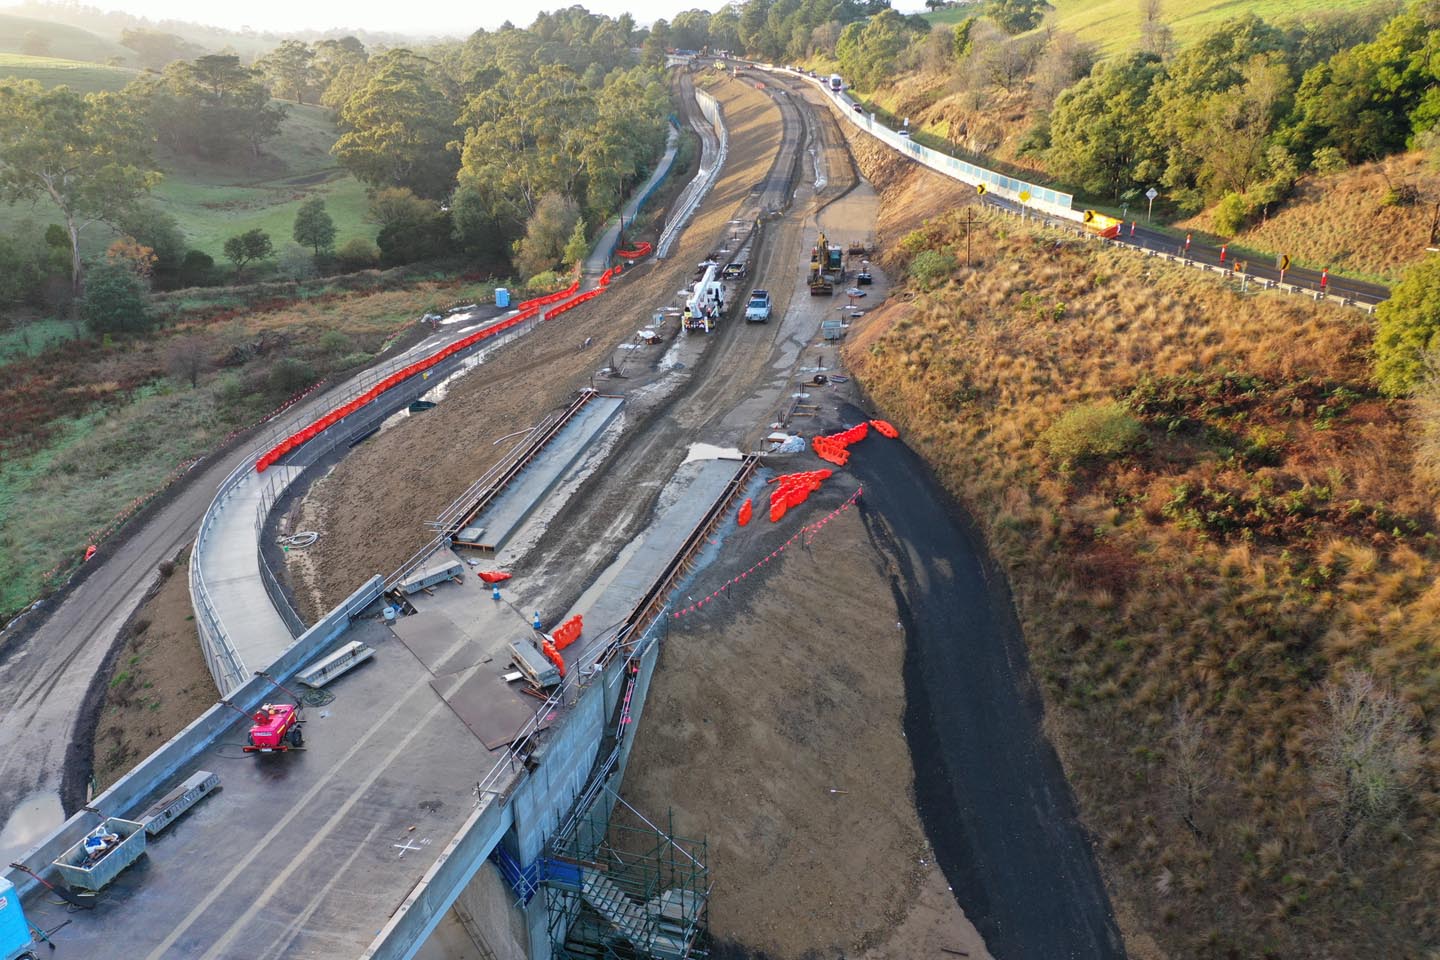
column 226, row 666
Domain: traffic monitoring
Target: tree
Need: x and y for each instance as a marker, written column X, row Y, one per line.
column 159, row 231
column 546, row 234
column 1189, row 766
column 577, row 246
column 1408, row 327
column 86, row 153
column 114, row 300
column 1017, row 16
column 26, row 261
column 247, row 247
column 156, row 50
column 213, row 107
column 314, row 227
column 411, row 228
column 1101, row 142
column 398, row 127
column 290, row 70
column 1367, row 755
column 187, row 358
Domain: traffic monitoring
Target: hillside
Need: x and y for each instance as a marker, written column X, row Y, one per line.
column 54, row 72
column 1114, row 25
column 212, row 201
column 1210, row 520
column 1350, row 221
column 45, row 38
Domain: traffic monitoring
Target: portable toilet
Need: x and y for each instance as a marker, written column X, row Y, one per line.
column 502, row 297
column 14, row 930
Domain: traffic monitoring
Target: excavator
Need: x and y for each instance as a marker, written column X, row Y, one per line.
column 825, row 260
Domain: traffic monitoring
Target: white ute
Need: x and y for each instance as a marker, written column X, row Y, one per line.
column 758, row 309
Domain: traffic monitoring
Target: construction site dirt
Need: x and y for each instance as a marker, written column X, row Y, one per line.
column 783, row 719
column 725, row 389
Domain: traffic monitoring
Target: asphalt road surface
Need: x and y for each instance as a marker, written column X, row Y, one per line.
column 992, row 794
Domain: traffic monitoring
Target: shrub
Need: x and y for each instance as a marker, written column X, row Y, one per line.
column 335, row 343
column 1406, row 328
column 357, row 253
column 290, row 375
column 1231, row 214
column 1091, row 431
column 115, row 300
column 931, row 268
column 1328, row 160
column 197, row 269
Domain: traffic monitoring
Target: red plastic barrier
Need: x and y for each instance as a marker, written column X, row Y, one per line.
column 636, row 251
column 777, row 510
column 493, row 576
column 568, row 632
column 528, row 311
column 885, row 428
column 743, row 517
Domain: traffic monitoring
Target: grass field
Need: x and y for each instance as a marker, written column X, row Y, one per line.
column 59, row 40
column 212, row 202
column 54, row 72
column 1115, row 24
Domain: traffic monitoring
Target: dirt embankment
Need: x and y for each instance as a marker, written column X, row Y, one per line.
column 1189, row 594
column 773, row 729
column 159, row 681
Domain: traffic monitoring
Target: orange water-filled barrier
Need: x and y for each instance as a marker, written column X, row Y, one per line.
column 493, row 576
column 885, row 428
column 743, row 517
column 568, row 632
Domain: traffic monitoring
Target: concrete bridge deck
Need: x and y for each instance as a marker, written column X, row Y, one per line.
column 309, row 854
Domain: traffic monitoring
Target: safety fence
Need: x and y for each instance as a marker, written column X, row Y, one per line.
column 696, row 190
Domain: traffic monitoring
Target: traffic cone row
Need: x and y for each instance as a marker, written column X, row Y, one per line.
column 568, row 632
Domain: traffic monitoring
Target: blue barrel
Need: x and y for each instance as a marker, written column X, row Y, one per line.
column 502, row 297
column 14, row 931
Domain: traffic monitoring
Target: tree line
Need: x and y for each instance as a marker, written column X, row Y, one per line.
column 504, row 147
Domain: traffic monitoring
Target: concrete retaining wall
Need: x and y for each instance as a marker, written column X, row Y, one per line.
column 425, row 907
column 128, row 794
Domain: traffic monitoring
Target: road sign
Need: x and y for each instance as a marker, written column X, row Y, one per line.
column 1284, row 262
column 1024, row 196
column 980, row 189
column 1151, row 194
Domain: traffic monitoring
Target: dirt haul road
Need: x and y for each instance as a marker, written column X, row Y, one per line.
column 723, row 389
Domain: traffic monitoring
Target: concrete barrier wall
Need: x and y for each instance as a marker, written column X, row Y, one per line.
column 415, row 919
column 155, row 772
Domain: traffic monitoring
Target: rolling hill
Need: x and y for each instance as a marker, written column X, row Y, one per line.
column 43, row 38
column 1114, row 25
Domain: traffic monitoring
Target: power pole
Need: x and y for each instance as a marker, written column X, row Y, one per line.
column 969, row 219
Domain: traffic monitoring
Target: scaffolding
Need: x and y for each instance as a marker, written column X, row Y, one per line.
column 619, row 892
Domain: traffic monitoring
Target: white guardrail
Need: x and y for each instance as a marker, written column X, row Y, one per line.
column 696, row 189
column 1040, row 198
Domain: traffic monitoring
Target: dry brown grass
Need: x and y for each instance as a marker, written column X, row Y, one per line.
column 1266, row 536
column 1342, row 221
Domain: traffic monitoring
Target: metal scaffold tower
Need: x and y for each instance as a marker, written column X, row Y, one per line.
column 619, row 892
